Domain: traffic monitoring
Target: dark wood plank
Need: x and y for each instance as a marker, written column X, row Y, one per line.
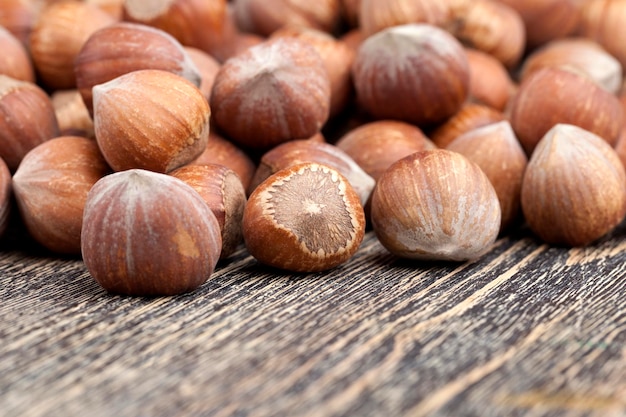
column 527, row 330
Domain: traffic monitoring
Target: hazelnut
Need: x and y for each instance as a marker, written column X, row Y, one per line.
column 222, row 190
column 72, row 114
column 27, row 119
column 579, row 55
column 416, row 73
column 552, row 95
column 221, row 151
column 15, row 59
column 306, row 150
column 150, row 119
column 304, row 218
column 435, row 205
column 337, row 57
column 18, row 17
column 377, row 15
column 276, row 91
column 197, row 23
column 6, row 191
column 574, row 189
column 58, row 35
column 471, row 116
column 604, row 22
column 490, row 82
column 51, row 186
column 496, row 150
column 207, row 68
column 125, row 47
column 490, row 26
column 546, row 20
column 150, row 234
column 374, row 146
column 263, row 17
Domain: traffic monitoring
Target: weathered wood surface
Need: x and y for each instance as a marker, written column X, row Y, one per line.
column 528, row 330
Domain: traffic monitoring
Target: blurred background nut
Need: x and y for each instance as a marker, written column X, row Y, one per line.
column 416, row 73
column 552, row 95
column 207, row 69
column 605, row 22
column 18, row 17
column 546, row 20
column 311, row 215
column 470, row 117
column 221, row 151
column 574, row 189
column 222, row 190
column 125, row 47
column 149, row 234
column 198, row 23
column 496, row 150
column 140, row 124
column 72, row 114
column 15, row 60
column 58, row 35
column 579, row 55
column 273, row 92
column 377, row 15
column 51, row 186
column 435, row 205
column 27, row 118
column 490, row 82
column 263, row 17
column 374, row 146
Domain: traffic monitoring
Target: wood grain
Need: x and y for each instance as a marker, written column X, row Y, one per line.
column 527, row 330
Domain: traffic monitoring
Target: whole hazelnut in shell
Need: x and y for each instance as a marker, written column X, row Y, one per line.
column 304, row 218
column 552, row 95
column 273, row 92
column 150, row 234
column 51, row 186
column 150, row 119
column 574, row 188
column 416, row 73
column 435, row 205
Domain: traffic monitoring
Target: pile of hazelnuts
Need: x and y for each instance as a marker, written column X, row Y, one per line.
column 154, row 139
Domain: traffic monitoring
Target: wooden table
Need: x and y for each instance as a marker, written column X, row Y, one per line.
column 527, row 330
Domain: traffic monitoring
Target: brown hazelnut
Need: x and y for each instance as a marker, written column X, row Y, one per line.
column 546, row 20
column 263, row 17
column 60, row 31
column 125, row 47
column 27, row 119
column 374, row 146
column 299, row 151
column 496, row 150
column 574, row 189
column 377, row 15
column 18, row 17
column 553, row 95
column 604, row 22
column 305, row 218
column 435, row 205
column 6, row 192
column 222, row 190
column 207, row 68
column 197, row 23
column 221, row 151
column 490, row 82
column 15, row 60
column 337, row 57
column 72, row 114
column 150, row 119
column 579, row 55
column 51, row 186
column 471, row 116
column 150, row 234
column 276, row 91
column 416, row 73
